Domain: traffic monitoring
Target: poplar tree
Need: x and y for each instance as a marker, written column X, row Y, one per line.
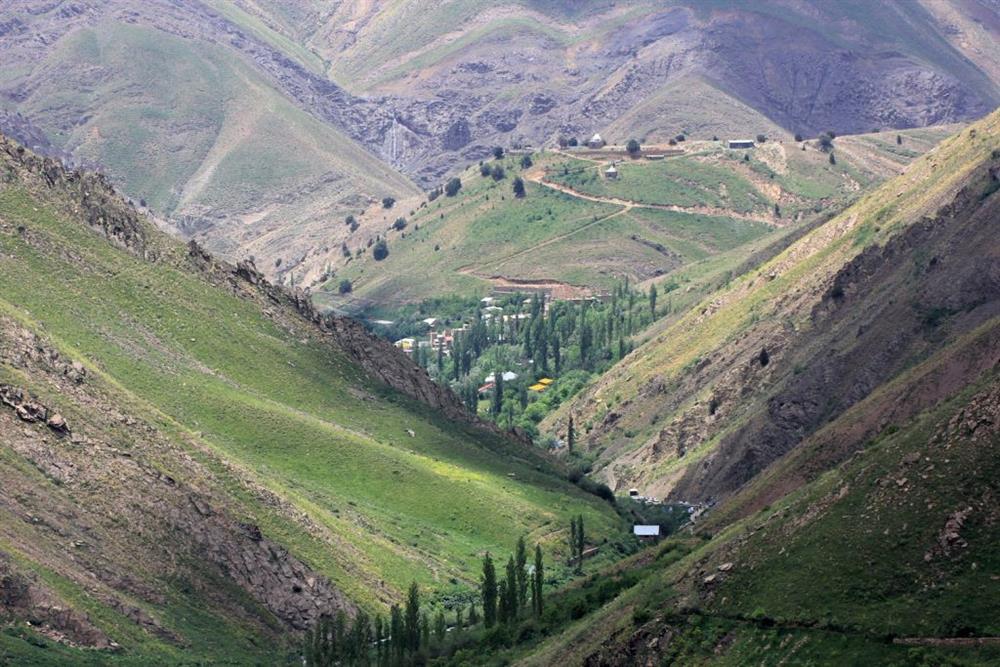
column 412, row 619
column 570, row 435
column 512, row 590
column 489, row 593
column 521, row 566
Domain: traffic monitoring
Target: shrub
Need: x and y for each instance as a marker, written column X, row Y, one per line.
column 381, row 250
column 485, row 169
column 498, row 173
column 526, row 162
column 452, row 187
column 350, row 221
column 345, row 286
column 399, row 225
column 498, row 152
column 680, row 138
column 826, row 140
column 388, row 202
column 798, row 137
column 633, row 147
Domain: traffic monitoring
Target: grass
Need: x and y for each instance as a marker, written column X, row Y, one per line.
column 684, row 182
column 283, row 406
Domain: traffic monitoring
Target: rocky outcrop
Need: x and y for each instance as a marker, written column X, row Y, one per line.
column 23, row 596
column 90, row 195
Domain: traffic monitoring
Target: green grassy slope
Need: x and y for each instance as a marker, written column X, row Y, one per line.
column 289, row 424
column 656, row 219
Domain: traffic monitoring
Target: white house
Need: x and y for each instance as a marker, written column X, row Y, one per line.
column 644, row 532
column 596, row 141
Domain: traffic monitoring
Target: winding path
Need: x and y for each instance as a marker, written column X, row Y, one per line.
column 539, row 178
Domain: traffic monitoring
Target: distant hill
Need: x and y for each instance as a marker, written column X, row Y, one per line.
column 686, row 218
column 257, row 126
column 194, row 466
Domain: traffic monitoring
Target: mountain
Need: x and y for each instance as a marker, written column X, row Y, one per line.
column 683, row 214
column 196, row 466
column 740, row 379
column 833, row 416
column 284, row 117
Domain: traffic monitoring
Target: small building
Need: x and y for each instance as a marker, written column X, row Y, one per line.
column 596, row 141
column 655, row 156
column 405, row 344
column 545, row 382
column 430, row 321
column 508, row 376
column 485, row 389
column 611, row 173
column 487, row 301
column 633, row 493
column 538, row 387
column 740, row 144
column 646, row 533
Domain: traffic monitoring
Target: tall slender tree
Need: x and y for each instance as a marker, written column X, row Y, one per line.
column 512, row 590
column 397, row 634
column 521, row 571
column 570, row 435
column 489, row 592
column 412, row 619
column 538, row 578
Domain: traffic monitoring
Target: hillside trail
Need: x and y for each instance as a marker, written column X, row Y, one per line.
column 536, row 176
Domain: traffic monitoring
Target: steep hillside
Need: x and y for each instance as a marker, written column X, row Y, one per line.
column 188, row 116
column 712, row 400
column 196, row 465
column 837, row 412
column 687, row 218
column 285, row 116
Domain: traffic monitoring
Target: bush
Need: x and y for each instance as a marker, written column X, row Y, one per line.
column 350, row 221
column 388, row 202
column 761, row 138
column 526, row 162
column 452, row 187
column 498, row 152
column 633, row 147
column 680, row 138
column 798, row 137
column 381, row 250
column 345, row 286
column 498, row 173
column 485, row 169
column 399, row 225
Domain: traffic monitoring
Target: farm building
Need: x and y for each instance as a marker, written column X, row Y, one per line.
column 646, row 533
column 611, row 173
column 596, row 141
column 740, row 143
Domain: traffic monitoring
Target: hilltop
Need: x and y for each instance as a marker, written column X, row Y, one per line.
column 196, row 465
column 284, row 117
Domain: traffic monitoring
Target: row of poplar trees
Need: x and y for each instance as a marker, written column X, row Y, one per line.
column 506, row 601
column 409, row 633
